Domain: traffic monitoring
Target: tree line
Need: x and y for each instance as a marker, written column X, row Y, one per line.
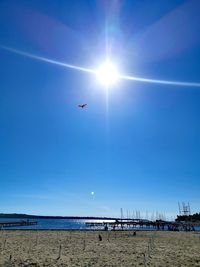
column 193, row 218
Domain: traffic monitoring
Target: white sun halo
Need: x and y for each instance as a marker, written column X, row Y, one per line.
column 107, row 74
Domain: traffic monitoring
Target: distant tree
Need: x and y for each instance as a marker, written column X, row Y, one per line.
column 192, row 218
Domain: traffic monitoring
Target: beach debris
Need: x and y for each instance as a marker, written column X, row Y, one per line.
column 100, row 238
column 4, row 245
column 10, row 259
column 147, row 255
column 144, row 259
column 36, row 241
column 59, row 252
column 83, row 244
column 108, row 237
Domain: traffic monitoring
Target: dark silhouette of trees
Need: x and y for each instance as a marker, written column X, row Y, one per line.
column 192, row 218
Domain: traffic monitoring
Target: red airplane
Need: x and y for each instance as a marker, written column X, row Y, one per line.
column 82, row 106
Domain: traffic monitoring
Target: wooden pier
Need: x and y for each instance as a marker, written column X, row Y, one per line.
column 17, row 223
column 142, row 224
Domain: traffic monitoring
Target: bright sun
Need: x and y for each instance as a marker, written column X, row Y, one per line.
column 107, row 74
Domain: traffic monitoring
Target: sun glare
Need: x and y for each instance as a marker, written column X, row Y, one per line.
column 107, row 74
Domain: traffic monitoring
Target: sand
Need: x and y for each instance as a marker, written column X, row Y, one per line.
column 83, row 248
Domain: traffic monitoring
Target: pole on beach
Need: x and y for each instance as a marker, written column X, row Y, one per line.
column 59, row 252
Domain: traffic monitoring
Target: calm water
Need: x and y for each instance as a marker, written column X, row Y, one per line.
column 54, row 224
column 66, row 224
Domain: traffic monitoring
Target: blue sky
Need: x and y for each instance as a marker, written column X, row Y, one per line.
column 136, row 147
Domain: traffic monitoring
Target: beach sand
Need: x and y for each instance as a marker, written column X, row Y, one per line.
column 83, row 248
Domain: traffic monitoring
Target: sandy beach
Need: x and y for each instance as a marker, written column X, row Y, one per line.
column 84, row 248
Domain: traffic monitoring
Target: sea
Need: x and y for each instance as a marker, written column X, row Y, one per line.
column 68, row 224
column 56, row 224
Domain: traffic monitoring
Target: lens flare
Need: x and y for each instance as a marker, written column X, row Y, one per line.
column 47, row 60
column 107, row 74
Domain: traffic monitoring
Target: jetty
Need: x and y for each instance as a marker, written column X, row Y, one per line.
column 17, row 223
column 128, row 224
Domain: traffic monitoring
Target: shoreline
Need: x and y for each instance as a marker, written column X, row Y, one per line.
column 99, row 230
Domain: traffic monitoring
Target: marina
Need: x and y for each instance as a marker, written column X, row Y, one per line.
column 144, row 225
column 99, row 224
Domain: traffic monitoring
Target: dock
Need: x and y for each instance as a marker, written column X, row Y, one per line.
column 142, row 224
column 17, row 223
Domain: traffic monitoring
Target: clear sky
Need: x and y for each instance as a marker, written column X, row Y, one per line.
column 136, row 146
